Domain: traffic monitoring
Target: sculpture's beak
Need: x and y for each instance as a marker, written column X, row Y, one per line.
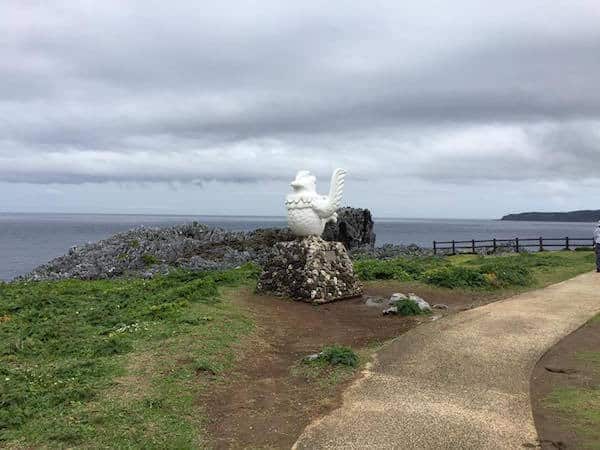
column 296, row 184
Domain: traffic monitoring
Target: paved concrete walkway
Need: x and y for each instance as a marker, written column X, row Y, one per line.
column 461, row 382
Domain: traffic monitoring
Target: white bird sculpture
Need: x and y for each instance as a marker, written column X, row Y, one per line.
column 307, row 211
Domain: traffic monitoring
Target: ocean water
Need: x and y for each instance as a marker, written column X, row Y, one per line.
column 28, row 240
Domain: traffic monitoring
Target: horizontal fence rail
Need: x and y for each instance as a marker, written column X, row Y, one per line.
column 517, row 244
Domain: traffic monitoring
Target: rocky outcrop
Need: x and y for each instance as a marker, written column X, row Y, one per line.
column 389, row 251
column 311, row 270
column 354, row 228
column 150, row 251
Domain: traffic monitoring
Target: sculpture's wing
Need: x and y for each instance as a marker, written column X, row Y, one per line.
column 327, row 206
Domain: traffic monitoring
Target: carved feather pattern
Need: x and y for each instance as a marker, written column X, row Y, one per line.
column 336, row 189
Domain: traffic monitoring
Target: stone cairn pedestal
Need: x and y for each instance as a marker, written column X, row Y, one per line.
column 311, row 270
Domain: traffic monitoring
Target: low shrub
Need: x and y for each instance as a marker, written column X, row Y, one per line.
column 453, row 277
column 416, row 267
column 149, row 259
column 338, row 354
column 467, row 272
column 407, row 307
column 393, row 269
column 506, row 272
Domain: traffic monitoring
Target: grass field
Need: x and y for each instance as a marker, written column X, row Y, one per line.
column 577, row 401
column 511, row 272
column 90, row 364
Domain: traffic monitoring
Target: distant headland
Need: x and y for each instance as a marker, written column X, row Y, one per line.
column 571, row 216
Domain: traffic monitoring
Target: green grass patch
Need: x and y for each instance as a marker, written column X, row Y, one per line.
column 92, row 363
column 581, row 409
column 149, row 259
column 592, row 357
column 512, row 272
column 372, row 269
column 339, row 355
column 335, row 364
column 453, row 277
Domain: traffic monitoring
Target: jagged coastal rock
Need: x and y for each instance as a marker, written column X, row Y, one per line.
column 194, row 246
column 309, row 269
column 354, row 228
column 149, row 251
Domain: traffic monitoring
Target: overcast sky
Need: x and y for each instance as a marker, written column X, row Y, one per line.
column 435, row 108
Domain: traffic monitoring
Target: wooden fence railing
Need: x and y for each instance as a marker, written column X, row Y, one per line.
column 517, row 244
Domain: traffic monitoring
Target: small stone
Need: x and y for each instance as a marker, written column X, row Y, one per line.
column 390, row 310
column 375, row 301
column 397, row 297
column 419, row 301
column 312, row 357
column 440, row 306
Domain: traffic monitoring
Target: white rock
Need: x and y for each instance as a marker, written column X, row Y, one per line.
column 397, row 296
column 419, row 301
column 390, row 310
column 313, row 357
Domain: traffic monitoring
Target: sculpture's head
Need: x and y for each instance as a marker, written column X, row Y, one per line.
column 304, row 181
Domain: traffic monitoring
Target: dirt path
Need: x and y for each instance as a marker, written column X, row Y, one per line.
column 264, row 403
column 459, row 382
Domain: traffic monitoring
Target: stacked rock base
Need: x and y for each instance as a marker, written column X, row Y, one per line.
column 311, row 270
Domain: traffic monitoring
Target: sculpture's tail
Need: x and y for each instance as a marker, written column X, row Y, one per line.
column 336, row 189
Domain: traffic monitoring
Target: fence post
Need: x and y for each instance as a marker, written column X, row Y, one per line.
column 541, row 244
column 495, row 245
column 453, row 247
column 434, row 248
column 517, row 245
column 567, row 246
column 473, row 244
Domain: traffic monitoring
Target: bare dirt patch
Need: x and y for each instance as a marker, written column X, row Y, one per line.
column 569, row 365
column 266, row 402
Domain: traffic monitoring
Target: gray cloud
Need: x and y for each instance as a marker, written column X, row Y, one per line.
column 144, row 91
